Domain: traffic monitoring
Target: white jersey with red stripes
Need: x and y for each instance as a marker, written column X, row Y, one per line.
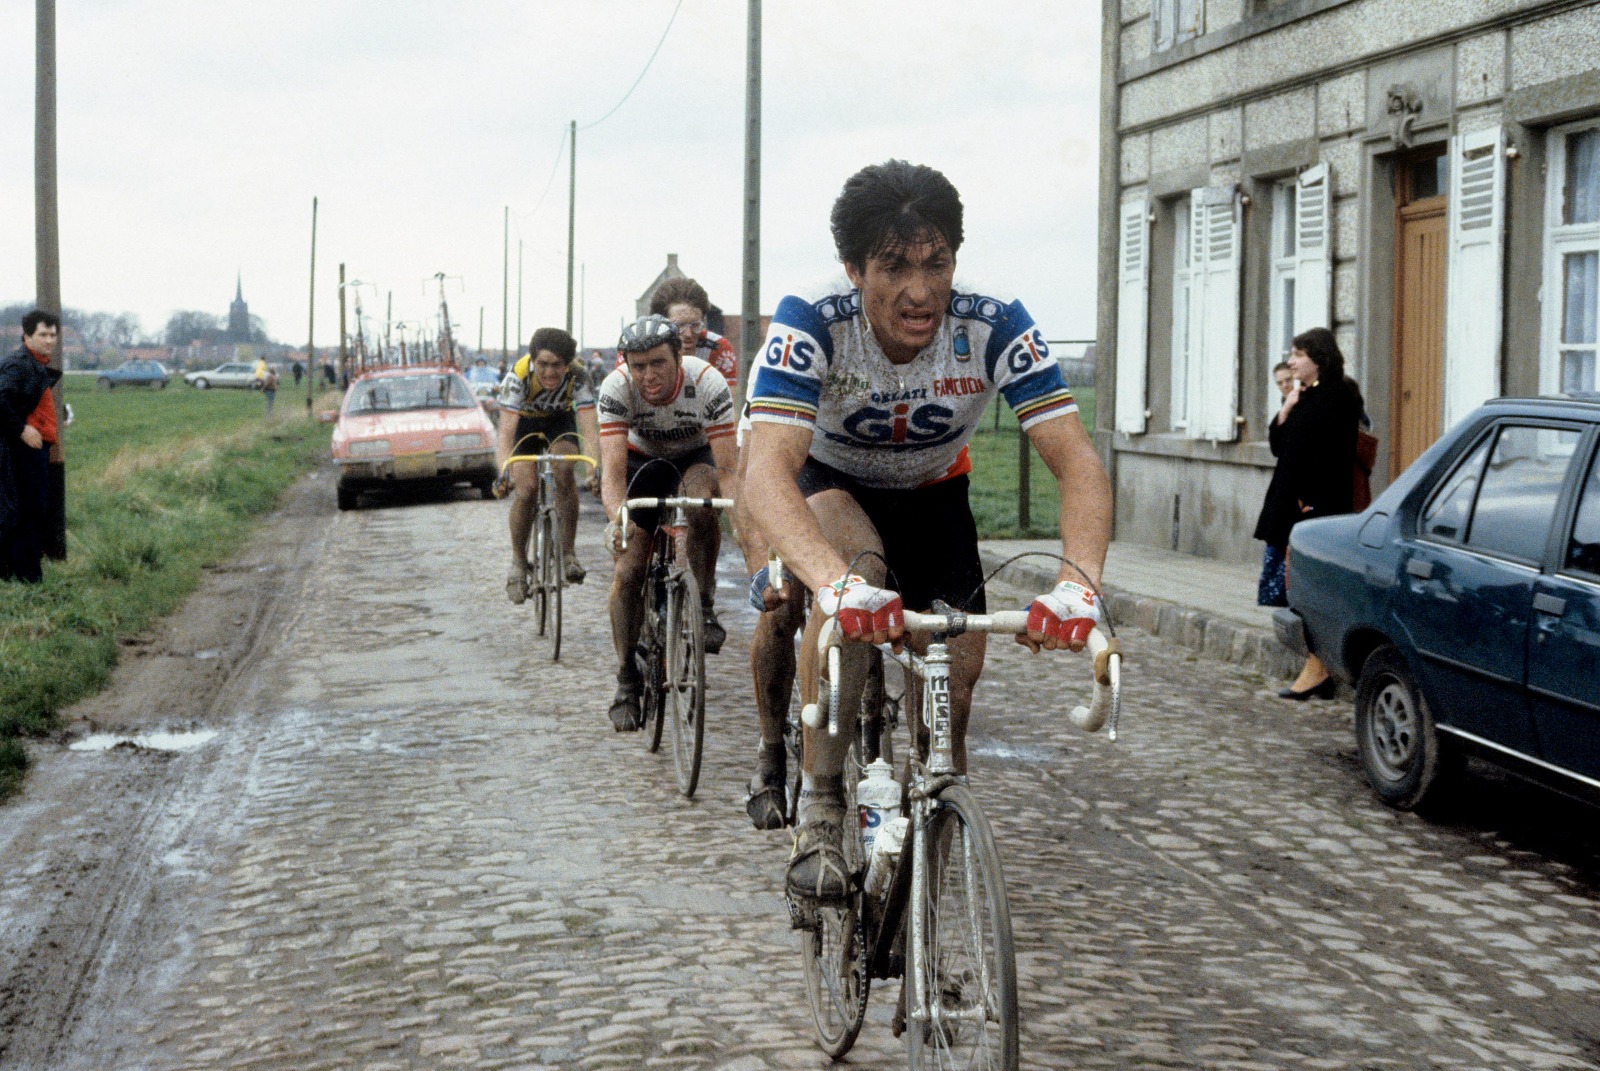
column 699, row 412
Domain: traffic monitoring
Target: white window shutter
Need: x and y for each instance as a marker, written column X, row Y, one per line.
column 1133, row 315
column 1214, row 315
column 1473, row 272
column 1313, row 255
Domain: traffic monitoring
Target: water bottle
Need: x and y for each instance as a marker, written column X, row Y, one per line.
column 877, row 801
column 885, row 855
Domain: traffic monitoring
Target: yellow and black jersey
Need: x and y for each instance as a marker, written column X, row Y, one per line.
column 521, row 394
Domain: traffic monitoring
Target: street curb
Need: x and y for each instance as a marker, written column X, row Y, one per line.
column 1254, row 649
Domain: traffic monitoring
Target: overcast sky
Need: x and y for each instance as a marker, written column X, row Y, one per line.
column 194, row 133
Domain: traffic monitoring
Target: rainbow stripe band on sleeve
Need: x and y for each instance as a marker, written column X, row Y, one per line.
column 785, row 408
column 1056, row 403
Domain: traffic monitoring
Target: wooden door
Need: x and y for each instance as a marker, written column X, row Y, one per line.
column 1418, row 388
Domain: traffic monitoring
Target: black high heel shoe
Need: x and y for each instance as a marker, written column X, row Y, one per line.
column 1325, row 690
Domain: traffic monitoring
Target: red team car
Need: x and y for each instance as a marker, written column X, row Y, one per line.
column 410, row 425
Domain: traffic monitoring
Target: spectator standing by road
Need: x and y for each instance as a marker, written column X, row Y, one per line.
column 1314, row 439
column 27, row 431
column 269, row 387
column 299, row 370
column 261, row 372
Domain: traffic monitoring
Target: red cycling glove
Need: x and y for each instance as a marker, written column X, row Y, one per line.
column 860, row 608
column 1065, row 614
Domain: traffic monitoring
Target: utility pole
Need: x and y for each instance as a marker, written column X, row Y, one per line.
column 520, row 335
column 388, row 319
column 572, row 208
column 583, row 301
column 505, row 283
column 312, row 371
column 480, row 330
column 344, row 347
column 750, row 303
column 47, row 257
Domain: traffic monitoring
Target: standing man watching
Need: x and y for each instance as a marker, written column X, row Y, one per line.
column 866, row 393
column 546, row 400
column 27, row 431
column 666, row 427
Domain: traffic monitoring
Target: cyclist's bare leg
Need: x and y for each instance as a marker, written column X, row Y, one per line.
column 567, row 511
column 817, row 866
column 627, row 611
column 705, row 543
column 705, row 531
column 524, row 477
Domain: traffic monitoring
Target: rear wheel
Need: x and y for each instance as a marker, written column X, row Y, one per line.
column 686, row 679
column 834, row 957
column 348, row 498
column 104, row 384
column 961, row 1007
column 1400, row 750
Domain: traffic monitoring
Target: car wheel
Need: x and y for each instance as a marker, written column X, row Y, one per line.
column 105, row 384
column 348, row 498
column 161, row 384
column 1395, row 734
column 485, row 488
column 200, row 384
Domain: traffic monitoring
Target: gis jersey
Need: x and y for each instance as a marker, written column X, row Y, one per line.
column 520, row 393
column 700, row 412
column 900, row 426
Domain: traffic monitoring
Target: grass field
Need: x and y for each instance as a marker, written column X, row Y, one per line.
column 994, row 476
column 159, row 485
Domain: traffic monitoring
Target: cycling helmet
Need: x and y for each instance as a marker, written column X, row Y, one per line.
column 646, row 333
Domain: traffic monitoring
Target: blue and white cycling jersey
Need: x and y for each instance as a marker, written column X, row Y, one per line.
column 899, row 426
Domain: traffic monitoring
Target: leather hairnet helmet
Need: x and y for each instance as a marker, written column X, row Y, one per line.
column 646, row 333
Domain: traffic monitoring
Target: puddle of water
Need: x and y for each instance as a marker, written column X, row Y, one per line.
column 1016, row 752
column 147, row 741
column 209, row 652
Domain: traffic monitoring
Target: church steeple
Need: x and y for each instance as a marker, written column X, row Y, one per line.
column 239, row 314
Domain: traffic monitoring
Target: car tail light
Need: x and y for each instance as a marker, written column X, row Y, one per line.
column 370, row 448
column 467, row 441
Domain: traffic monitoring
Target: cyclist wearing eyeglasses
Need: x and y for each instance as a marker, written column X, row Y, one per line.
column 666, row 425
column 686, row 304
column 866, row 394
column 545, row 400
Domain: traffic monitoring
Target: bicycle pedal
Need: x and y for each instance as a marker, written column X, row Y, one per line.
column 801, row 916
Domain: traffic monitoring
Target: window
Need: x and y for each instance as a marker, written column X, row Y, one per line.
column 1173, row 22
column 1583, row 551
column 1298, row 285
column 1572, row 260
column 1182, row 293
column 1280, row 292
column 1502, row 497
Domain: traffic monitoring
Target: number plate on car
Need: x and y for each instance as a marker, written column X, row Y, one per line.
column 414, row 465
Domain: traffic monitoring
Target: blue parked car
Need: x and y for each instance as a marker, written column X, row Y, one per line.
column 134, row 374
column 1464, row 604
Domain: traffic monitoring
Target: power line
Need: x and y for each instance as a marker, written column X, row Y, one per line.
column 561, row 150
column 642, row 73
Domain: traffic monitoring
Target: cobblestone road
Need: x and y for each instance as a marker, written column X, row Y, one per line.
column 422, row 846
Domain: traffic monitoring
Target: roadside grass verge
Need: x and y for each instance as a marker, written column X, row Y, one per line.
column 994, row 484
column 160, row 484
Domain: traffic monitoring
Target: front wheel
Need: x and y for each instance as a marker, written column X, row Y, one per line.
column 686, row 679
column 961, row 1000
column 201, row 384
column 653, row 702
column 554, row 579
column 105, row 384
column 541, row 577
column 1395, row 735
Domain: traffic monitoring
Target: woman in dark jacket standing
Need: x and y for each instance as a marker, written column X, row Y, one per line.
column 1314, row 439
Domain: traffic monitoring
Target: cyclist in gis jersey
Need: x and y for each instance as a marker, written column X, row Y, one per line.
column 666, row 423
column 545, row 401
column 865, row 394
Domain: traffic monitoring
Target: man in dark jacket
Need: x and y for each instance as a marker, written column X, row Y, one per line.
column 27, row 431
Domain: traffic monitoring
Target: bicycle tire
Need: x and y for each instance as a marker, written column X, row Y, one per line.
column 541, row 587
column 960, row 947
column 555, row 578
column 686, row 680
column 834, row 958
column 654, row 699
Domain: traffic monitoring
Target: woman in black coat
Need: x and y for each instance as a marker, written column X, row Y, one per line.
column 1314, row 439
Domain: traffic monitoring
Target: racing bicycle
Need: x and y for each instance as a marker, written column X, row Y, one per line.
column 934, row 913
column 672, row 637
column 546, row 575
